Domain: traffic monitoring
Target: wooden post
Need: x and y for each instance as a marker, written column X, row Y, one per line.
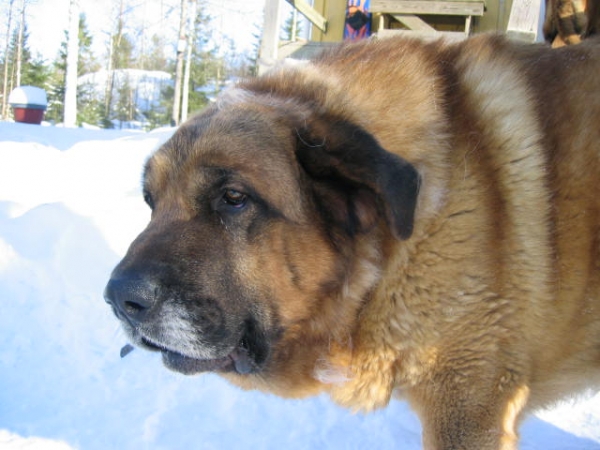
column 334, row 12
column 270, row 37
column 524, row 20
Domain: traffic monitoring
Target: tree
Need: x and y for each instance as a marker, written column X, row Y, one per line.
column 181, row 46
column 70, row 109
column 87, row 62
column 18, row 56
column 122, row 54
column 188, row 61
column 119, row 55
column 36, row 73
column 88, row 106
column 291, row 27
column 125, row 107
column 154, row 57
column 206, row 66
column 20, row 45
column 5, row 88
column 20, row 67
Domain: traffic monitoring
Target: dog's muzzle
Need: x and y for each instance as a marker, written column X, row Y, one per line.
column 139, row 303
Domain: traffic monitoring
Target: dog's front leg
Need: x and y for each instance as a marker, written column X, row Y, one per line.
column 469, row 415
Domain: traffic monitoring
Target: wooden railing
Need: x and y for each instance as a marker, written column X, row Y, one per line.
column 407, row 12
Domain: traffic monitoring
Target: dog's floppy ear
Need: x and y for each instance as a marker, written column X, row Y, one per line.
column 355, row 180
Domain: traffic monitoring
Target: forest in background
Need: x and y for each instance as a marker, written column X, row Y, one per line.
column 181, row 56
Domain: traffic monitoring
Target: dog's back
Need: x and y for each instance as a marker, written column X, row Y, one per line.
column 509, row 135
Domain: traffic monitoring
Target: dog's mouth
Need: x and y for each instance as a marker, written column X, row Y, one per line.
column 248, row 356
column 239, row 360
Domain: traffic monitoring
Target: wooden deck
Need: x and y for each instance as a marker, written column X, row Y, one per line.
column 426, row 19
column 407, row 13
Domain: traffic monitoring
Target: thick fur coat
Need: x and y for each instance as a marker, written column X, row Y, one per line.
column 396, row 218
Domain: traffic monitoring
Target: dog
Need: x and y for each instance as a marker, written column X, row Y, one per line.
column 394, row 218
column 567, row 22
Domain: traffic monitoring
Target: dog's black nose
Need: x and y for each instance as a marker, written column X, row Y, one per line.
column 131, row 298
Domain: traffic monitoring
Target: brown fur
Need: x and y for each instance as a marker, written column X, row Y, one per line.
column 477, row 303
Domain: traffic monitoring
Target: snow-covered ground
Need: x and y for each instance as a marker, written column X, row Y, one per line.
column 70, row 204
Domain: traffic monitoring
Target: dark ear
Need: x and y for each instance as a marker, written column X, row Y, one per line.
column 357, row 181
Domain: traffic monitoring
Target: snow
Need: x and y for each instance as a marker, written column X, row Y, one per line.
column 70, row 203
column 146, row 85
column 28, row 95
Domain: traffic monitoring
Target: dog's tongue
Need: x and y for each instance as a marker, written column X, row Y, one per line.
column 241, row 360
column 126, row 350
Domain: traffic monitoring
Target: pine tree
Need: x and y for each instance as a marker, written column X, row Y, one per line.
column 252, row 57
column 125, row 107
column 291, row 27
column 154, row 57
column 122, row 55
column 13, row 55
column 88, row 106
column 87, row 63
column 34, row 71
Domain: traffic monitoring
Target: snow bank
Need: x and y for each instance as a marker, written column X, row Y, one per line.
column 11, row 441
column 70, row 203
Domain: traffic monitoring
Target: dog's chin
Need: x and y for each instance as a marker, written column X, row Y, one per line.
column 238, row 361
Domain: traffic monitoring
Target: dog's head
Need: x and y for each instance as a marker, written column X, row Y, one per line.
column 250, row 264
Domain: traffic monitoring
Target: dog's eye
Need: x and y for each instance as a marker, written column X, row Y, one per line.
column 148, row 199
column 235, row 198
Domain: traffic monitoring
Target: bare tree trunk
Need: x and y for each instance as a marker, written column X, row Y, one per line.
column 6, row 50
column 114, row 40
column 70, row 108
column 181, row 44
column 109, row 80
column 20, row 45
column 188, row 60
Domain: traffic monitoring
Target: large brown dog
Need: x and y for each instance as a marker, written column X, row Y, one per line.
column 396, row 217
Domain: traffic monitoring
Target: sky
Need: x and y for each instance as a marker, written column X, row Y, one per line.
column 47, row 20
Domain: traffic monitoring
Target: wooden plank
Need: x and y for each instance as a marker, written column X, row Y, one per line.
column 524, row 20
column 333, row 11
column 270, row 39
column 413, row 22
column 446, row 8
column 468, row 20
column 310, row 13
